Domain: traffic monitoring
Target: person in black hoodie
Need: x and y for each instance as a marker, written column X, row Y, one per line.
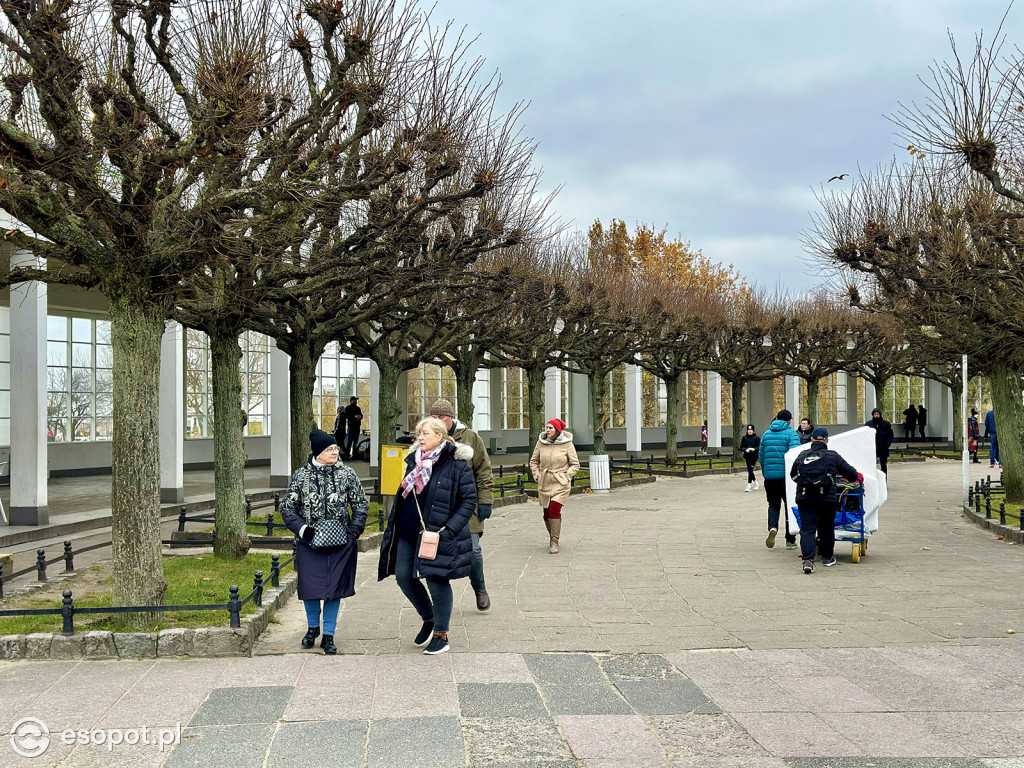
column 804, row 430
column 883, row 438
column 814, row 472
column 750, row 444
column 909, row 422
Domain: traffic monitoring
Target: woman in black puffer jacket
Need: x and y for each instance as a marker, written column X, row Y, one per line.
column 749, row 445
column 440, row 489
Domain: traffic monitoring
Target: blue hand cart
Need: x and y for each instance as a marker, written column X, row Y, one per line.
column 850, row 518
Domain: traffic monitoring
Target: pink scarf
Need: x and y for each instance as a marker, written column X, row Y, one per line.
column 420, row 475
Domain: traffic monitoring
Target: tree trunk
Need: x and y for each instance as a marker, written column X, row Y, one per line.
column 957, row 388
column 811, row 406
column 301, row 379
column 738, row 425
column 230, row 539
column 1006, row 402
column 598, row 388
column 535, row 398
column 674, row 398
column 389, row 410
column 465, row 366
column 136, row 328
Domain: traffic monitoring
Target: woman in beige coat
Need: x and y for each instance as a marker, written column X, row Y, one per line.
column 552, row 465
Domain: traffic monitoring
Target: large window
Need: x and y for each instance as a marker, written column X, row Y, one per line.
column 5, row 376
column 79, row 380
column 615, row 398
column 482, row 401
column 695, row 398
column 254, row 377
column 514, row 400
column 899, row 393
column 655, row 401
column 426, row 385
column 340, row 376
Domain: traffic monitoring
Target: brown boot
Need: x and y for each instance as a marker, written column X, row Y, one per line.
column 555, row 526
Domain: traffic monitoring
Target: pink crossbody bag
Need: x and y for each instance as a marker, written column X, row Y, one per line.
column 429, row 540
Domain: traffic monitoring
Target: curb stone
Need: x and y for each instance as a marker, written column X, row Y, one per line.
column 1009, row 533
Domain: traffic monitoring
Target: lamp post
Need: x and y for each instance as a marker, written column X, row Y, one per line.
column 964, row 456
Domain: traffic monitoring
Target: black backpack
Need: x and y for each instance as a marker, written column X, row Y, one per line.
column 813, row 478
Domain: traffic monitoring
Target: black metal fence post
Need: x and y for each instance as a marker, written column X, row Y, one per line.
column 275, row 570
column 69, row 557
column 41, row 565
column 181, row 521
column 270, row 523
column 248, row 507
column 988, row 505
column 277, row 502
column 1, row 579
column 1002, row 513
column 977, row 502
column 257, row 585
column 68, row 612
column 235, row 606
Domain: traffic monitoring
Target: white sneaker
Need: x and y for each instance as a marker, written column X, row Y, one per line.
column 748, row 488
column 755, row 485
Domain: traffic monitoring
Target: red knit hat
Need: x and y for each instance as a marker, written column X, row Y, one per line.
column 557, row 424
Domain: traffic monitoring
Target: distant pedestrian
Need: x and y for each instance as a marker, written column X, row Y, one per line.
column 922, row 420
column 993, row 444
column 481, row 465
column 326, row 508
column 815, row 472
column 339, row 430
column 553, row 464
column 354, row 420
column 771, row 455
column 909, row 422
column 804, row 430
column 704, row 437
column 973, row 433
column 438, row 494
column 883, row 438
column 749, row 445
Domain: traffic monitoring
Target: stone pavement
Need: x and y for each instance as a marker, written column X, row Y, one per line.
column 613, row 653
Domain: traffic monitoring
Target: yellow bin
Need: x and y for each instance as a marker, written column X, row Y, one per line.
column 392, row 468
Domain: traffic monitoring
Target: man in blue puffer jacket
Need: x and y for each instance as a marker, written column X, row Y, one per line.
column 776, row 440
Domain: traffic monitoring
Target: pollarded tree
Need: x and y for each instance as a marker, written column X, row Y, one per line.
column 122, row 124
column 885, row 352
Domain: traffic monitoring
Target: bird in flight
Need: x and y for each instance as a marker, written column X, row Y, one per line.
column 841, row 176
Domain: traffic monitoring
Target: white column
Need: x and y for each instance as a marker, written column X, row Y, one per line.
column 374, row 416
column 634, row 408
column 553, row 395
column 714, row 414
column 29, row 504
column 793, row 404
column 871, row 402
column 579, row 424
column 280, row 419
column 938, row 399
column 482, row 400
column 172, row 414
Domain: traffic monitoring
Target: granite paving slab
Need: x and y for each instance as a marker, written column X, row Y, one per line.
column 662, row 697
column 336, row 744
column 500, row 700
column 208, row 745
column 494, row 742
column 232, row 706
column 611, row 737
column 690, row 735
column 416, row 742
column 584, row 700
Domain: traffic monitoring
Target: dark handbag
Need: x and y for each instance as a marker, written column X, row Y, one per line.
column 329, row 533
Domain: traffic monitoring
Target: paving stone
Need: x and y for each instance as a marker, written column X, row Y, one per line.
column 638, row 666
column 175, row 642
column 135, row 645
column 12, row 647
column 565, row 669
column 343, row 745
column 519, row 742
column 37, row 645
column 584, row 700
column 490, row 668
column 231, row 706
column 662, row 697
column 99, row 645
column 203, row 747
column 500, row 700
column 67, row 646
column 691, row 735
column 611, row 737
column 886, row 762
column 416, row 742
column 796, row 734
column 415, row 699
column 892, row 734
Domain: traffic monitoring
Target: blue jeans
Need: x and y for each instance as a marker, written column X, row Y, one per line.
column 993, row 450
column 330, row 614
column 476, row 576
column 351, row 441
column 433, row 602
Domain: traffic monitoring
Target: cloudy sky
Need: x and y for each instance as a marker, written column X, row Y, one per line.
column 716, row 119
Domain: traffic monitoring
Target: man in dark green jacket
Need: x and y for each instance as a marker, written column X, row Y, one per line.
column 460, row 433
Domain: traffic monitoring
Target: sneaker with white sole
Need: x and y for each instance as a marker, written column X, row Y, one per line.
column 755, row 485
column 830, row 562
column 770, row 541
column 438, row 644
column 808, row 566
column 790, row 544
column 748, row 488
column 423, row 636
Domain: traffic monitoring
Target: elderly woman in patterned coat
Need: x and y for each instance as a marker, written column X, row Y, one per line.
column 325, row 507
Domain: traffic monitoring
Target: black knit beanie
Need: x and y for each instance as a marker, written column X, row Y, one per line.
column 320, row 441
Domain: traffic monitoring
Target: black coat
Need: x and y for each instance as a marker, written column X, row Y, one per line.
column 451, row 500
column 750, row 441
column 883, row 437
column 834, row 463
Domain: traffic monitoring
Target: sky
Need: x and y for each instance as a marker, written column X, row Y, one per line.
column 717, row 120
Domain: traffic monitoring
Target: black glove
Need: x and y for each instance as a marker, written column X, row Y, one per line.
column 356, row 532
column 483, row 512
column 308, row 533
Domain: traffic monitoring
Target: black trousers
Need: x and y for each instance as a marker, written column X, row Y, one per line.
column 775, row 490
column 920, row 428
column 883, row 463
column 817, row 527
column 750, row 469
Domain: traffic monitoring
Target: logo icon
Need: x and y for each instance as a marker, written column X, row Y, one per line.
column 30, row 737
